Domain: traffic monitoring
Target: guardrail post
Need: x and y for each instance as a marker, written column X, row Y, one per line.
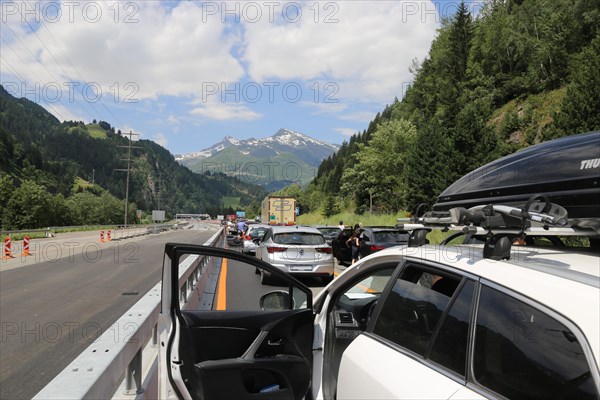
column 133, row 375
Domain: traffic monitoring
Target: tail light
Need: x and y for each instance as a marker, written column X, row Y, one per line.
column 324, row 250
column 248, row 237
column 376, row 247
column 272, row 250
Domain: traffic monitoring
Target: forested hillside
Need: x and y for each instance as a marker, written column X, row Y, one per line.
column 54, row 173
column 518, row 73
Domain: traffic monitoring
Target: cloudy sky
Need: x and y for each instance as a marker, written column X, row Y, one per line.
column 187, row 73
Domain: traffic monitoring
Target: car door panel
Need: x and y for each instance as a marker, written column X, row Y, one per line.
column 388, row 374
column 235, row 354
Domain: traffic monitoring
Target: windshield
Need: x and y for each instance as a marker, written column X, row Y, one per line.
column 299, row 238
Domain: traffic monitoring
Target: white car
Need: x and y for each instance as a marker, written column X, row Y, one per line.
column 297, row 250
column 253, row 235
column 428, row 322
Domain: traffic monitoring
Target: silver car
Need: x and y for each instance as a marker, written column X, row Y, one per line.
column 254, row 234
column 298, row 250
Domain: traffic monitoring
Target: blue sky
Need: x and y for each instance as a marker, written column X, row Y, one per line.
column 185, row 74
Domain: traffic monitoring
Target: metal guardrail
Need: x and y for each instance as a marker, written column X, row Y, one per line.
column 123, row 362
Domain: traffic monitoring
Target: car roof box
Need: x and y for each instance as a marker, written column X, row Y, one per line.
column 566, row 170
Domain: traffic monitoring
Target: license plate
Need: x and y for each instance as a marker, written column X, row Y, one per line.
column 300, row 268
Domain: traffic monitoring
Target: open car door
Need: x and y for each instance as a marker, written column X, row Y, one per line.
column 259, row 348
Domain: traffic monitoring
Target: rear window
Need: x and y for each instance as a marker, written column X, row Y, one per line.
column 299, row 238
column 330, row 231
column 390, row 237
column 257, row 233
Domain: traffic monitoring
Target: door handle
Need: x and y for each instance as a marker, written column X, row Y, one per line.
column 275, row 342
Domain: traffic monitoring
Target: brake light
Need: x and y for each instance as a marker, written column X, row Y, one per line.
column 272, row 250
column 324, row 250
column 248, row 237
column 375, row 247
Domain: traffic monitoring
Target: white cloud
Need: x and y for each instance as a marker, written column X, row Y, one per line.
column 160, row 139
column 346, row 131
column 63, row 113
column 225, row 112
column 160, row 52
column 367, row 52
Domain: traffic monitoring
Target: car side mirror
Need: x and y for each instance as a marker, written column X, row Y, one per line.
column 277, row 300
column 256, row 241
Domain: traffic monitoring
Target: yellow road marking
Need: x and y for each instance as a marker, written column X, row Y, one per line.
column 222, row 287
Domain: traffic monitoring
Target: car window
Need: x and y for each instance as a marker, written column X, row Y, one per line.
column 414, row 307
column 257, row 233
column 298, row 238
column 390, row 237
column 521, row 352
column 451, row 340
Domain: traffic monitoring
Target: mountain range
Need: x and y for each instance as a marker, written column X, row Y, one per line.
column 272, row 162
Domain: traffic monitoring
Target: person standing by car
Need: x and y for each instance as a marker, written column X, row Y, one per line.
column 341, row 226
column 354, row 243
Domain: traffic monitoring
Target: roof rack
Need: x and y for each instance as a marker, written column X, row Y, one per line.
column 537, row 217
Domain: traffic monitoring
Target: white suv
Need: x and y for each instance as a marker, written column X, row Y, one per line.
column 429, row 322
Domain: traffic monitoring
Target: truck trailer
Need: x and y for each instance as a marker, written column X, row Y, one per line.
column 277, row 210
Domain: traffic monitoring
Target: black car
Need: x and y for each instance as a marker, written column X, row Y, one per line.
column 329, row 232
column 372, row 239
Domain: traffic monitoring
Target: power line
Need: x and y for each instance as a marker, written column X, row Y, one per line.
column 15, row 73
column 128, row 159
column 40, row 63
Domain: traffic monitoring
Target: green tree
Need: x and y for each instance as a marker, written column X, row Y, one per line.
column 29, row 207
column 580, row 110
column 378, row 173
column 330, row 207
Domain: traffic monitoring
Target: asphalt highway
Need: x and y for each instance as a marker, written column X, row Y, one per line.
column 53, row 309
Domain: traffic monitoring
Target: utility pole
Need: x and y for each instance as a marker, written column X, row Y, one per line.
column 128, row 159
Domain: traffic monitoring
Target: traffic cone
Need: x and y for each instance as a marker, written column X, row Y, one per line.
column 108, row 236
column 25, row 247
column 7, row 251
column 101, row 236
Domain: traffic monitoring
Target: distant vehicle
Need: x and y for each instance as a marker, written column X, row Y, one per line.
column 253, row 235
column 329, row 232
column 277, row 210
column 297, row 250
column 372, row 239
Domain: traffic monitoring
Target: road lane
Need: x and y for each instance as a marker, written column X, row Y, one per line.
column 51, row 311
